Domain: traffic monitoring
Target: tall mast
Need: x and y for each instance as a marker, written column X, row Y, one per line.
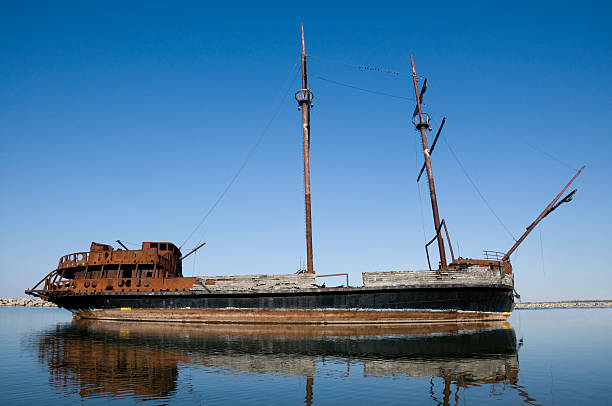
column 422, row 126
column 304, row 97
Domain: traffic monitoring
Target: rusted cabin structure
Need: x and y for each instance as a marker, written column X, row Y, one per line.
column 157, row 266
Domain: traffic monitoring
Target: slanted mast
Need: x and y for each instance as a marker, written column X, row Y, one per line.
column 422, row 125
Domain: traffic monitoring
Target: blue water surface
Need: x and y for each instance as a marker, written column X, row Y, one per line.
column 541, row 357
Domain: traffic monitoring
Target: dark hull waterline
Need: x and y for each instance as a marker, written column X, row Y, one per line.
column 320, row 306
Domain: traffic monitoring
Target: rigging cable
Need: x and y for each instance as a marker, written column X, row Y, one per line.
column 416, row 167
column 542, row 250
column 573, row 168
column 476, row 188
column 130, row 243
column 283, row 96
column 363, row 67
column 365, row 90
column 195, row 256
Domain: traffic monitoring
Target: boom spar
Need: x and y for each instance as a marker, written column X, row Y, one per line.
column 551, row 206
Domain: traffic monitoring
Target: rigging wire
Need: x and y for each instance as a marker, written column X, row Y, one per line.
column 542, row 250
column 195, row 256
column 363, row 67
column 416, row 167
column 573, row 168
column 130, row 243
column 476, row 187
column 283, row 96
column 365, row 90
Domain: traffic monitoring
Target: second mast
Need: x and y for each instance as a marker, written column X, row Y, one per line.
column 422, row 126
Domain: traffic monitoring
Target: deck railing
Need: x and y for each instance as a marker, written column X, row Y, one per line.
column 74, row 259
column 493, row 255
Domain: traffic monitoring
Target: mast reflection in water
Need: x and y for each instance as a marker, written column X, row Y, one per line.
column 144, row 361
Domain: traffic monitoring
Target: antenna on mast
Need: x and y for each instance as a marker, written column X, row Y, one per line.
column 304, row 98
column 422, row 125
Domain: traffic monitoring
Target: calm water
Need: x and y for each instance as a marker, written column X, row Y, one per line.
column 565, row 357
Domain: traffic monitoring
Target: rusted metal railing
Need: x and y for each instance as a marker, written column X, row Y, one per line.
column 74, row 259
column 493, row 255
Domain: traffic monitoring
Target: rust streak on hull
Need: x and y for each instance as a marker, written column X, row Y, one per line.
column 250, row 316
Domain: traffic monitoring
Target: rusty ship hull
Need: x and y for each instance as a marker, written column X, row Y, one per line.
column 486, row 299
column 319, row 306
column 148, row 285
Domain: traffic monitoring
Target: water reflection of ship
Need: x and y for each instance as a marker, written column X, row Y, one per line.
column 101, row 365
column 142, row 360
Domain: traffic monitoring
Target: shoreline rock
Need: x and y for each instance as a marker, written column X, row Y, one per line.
column 570, row 304
column 25, row 302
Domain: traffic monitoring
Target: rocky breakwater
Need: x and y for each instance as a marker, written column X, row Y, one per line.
column 25, row 302
column 563, row 305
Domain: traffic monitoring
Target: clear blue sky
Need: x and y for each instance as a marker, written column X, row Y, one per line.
column 128, row 121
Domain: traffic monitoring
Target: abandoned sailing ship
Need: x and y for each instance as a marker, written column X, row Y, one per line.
column 148, row 284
